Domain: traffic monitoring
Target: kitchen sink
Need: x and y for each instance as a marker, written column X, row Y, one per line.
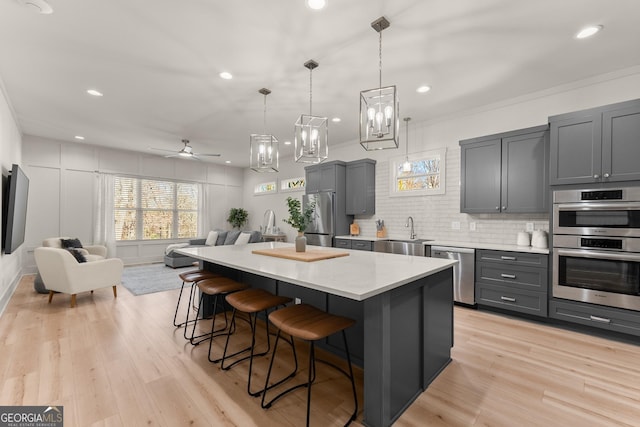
column 402, row 246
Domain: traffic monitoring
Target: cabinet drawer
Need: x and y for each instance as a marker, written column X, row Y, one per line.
column 362, row 245
column 520, row 300
column 624, row 321
column 521, row 277
column 342, row 243
column 513, row 258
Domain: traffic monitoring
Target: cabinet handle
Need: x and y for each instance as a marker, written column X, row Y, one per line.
column 596, row 176
column 600, row 319
column 497, row 208
column 508, row 299
column 504, row 208
column 606, row 175
column 508, row 258
column 508, row 276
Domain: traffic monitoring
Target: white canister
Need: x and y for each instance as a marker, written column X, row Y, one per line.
column 523, row 239
column 539, row 239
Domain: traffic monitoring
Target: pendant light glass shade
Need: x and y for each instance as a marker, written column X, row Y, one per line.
column 311, row 133
column 264, row 147
column 379, row 108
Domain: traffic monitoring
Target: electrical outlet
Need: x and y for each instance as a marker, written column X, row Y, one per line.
column 529, row 226
column 472, row 226
column 455, row 225
column 298, row 301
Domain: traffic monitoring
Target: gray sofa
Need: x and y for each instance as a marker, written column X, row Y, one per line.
column 175, row 260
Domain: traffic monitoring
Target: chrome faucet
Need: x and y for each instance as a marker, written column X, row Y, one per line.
column 412, row 234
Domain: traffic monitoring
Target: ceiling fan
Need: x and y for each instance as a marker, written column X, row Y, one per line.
column 186, row 152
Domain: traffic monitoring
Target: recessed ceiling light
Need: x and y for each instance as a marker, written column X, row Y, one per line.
column 423, row 89
column 226, row 75
column 336, row 120
column 316, row 4
column 588, row 31
column 38, row 6
column 78, row 137
column 227, row 161
column 287, row 143
column 94, row 92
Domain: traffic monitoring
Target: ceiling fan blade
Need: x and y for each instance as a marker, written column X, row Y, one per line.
column 162, row 149
column 210, row 155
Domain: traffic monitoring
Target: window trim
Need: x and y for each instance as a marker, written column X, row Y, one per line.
column 139, row 209
column 396, row 162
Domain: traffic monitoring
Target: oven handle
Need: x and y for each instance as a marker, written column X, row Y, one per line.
column 598, row 206
column 618, row 256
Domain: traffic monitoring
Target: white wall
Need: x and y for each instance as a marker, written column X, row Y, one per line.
column 434, row 214
column 10, row 152
column 63, row 181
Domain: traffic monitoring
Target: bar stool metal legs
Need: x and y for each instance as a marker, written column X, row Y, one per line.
column 252, row 302
column 191, row 277
column 310, row 324
column 217, row 287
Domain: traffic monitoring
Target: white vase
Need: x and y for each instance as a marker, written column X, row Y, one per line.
column 301, row 242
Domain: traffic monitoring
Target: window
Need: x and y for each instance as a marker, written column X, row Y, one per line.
column 147, row 209
column 426, row 176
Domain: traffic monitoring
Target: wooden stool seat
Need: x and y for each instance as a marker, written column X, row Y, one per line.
column 196, row 275
column 255, row 300
column 308, row 323
column 219, row 285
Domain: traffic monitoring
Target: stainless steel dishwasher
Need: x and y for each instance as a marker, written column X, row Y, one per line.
column 463, row 272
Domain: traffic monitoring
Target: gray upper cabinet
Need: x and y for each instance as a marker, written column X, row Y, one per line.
column 328, row 176
column 505, row 172
column 597, row 145
column 361, row 187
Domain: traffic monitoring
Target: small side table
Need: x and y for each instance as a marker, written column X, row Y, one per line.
column 281, row 237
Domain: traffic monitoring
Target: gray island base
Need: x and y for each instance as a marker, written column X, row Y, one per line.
column 403, row 306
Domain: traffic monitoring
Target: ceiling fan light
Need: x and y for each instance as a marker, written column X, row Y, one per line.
column 589, row 31
column 317, row 4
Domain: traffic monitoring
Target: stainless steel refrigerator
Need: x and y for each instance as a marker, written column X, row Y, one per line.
column 322, row 229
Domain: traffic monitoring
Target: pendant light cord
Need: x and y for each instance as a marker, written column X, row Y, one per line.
column 310, row 91
column 264, row 116
column 380, row 58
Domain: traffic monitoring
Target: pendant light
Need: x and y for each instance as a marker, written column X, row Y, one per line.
column 311, row 132
column 264, row 148
column 379, row 108
column 406, row 166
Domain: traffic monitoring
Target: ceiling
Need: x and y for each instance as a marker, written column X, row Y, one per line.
column 158, row 63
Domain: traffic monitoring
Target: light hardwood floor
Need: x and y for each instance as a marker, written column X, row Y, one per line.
column 120, row 362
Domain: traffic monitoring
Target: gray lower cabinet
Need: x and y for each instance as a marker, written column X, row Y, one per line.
column 512, row 281
column 505, row 173
column 360, row 245
column 361, row 187
column 596, row 145
column 611, row 319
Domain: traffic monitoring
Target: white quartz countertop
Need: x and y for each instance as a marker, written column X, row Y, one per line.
column 359, row 276
column 473, row 245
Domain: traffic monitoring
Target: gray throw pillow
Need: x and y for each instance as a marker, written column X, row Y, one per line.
column 232, row 236
column 256, row 237
column 222, row 236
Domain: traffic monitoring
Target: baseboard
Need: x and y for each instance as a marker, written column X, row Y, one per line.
column 8, row 292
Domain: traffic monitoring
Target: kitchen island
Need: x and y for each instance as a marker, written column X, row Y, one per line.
column 403, row 306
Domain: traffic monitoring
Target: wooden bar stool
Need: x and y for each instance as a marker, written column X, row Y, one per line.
column 308, row 323
column 215, row 287
column 252, row 302
column 192, row 277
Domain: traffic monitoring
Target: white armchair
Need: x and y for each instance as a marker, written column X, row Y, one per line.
column 62, row 273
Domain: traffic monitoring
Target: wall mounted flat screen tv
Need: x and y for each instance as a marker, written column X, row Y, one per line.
column 14, row 209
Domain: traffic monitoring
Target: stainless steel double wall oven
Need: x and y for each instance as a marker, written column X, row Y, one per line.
column 596, row 246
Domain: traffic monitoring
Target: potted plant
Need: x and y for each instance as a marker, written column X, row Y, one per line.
column 238, row 217
column 299, row 219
